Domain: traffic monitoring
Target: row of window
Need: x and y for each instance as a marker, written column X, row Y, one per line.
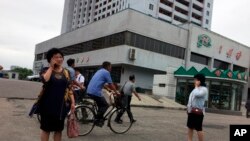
column 123, row 38
column 177, row 18
column 201, row 59
column 186, row 3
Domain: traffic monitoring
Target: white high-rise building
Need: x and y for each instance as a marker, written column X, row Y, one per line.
column 78, row 13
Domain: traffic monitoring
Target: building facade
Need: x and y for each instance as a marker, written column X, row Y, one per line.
column 224, row 62
column 161, row 48
column 78, row 13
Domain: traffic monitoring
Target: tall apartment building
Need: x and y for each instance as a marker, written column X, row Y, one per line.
column 78, row 13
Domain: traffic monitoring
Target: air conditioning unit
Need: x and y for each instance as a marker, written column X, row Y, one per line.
column 132, row 55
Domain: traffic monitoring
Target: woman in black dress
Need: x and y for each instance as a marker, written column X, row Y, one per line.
column 54, row 107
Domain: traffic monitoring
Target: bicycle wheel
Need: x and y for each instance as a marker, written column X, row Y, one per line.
column 122, row 127
column 85, row 118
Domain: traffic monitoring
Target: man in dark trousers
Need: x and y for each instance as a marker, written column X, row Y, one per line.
column 248, row 108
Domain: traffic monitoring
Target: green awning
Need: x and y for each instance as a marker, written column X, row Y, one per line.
column 235, row 74
column 192, row 71
column 227, row 74
column 217, row 73
column 180, row 71
column 207, row 72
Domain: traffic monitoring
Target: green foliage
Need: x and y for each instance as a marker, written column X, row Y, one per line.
column 23, row 72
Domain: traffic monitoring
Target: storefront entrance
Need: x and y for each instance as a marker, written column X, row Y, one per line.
column 222, row 95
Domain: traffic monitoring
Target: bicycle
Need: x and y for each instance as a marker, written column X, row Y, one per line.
column 86, row 112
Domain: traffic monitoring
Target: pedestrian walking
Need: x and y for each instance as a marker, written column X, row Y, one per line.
column 247, row 108
column 127, row 90
column 195, row 107
column 53, row 105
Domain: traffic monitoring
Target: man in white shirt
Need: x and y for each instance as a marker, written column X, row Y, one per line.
column 79, row 92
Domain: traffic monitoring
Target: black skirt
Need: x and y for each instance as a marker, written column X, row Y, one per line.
column 50, row 123
column 195, row 121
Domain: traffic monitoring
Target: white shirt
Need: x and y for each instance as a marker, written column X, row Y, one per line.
column 197, row 98
column 80, row 79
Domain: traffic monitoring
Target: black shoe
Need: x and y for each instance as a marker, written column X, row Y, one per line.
column 119, row 121
column 133, row 121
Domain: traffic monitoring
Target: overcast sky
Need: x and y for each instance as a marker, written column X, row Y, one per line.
column 24, row 23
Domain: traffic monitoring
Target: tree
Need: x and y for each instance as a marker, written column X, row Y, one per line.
column 23, row 72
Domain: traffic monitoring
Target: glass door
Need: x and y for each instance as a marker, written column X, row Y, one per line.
column 214, row 95
column 225, row 98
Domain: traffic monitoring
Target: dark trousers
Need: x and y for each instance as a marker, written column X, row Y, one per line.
column 126, row 100
column 247, row 113
column 101, row 104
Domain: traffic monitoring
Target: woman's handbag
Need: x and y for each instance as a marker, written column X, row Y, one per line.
column 197, row 111
column 72, row 126
column 35, row 109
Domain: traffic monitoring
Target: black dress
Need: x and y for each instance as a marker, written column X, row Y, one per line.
column 53, row 106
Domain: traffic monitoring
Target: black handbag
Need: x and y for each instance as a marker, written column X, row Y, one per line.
column 35, row 109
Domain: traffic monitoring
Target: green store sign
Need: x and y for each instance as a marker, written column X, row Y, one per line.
column 204, row 40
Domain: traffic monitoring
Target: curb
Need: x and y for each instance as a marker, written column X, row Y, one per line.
column 162, row 107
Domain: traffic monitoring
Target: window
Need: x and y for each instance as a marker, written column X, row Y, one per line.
column 208, row 5
column 123, row 38
column 239, row 68
column 207, row 13
column 197, row 58
column 39, row 56
column 151, row 6
column 162, row 11
column 207, row 22
column 220, row 64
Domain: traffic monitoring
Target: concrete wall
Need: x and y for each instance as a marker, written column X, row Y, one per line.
column 67, row 16
column 144, row 77
column 168, row 80
column 214, row 51
column 125, row 20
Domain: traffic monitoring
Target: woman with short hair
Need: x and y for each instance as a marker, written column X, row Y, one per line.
column 195, row 107
column 54, row 106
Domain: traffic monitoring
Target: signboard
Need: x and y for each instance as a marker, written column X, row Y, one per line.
column 204, row 40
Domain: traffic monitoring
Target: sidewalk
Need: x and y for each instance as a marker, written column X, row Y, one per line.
column 152, row 101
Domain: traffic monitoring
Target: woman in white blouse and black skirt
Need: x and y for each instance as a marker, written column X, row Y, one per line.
column 195, row 107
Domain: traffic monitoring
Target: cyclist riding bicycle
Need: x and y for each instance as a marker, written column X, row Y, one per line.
column 94, row 90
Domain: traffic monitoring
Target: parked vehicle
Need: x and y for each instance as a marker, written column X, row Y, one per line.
column 34, row 78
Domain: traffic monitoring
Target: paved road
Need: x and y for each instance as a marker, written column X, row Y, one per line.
column 19, row 89
column 153, row 124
